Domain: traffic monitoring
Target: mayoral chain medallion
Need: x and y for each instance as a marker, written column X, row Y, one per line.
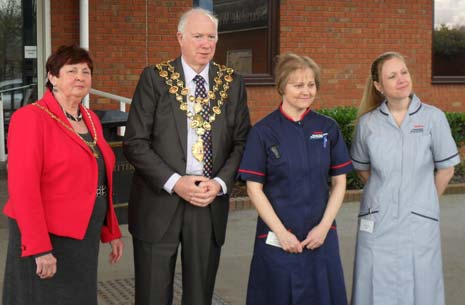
column 197, row 122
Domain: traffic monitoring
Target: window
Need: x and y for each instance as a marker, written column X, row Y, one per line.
column 248, row 37
column 449, row 41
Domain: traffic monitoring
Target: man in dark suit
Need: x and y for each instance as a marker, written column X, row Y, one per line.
column 185, row 136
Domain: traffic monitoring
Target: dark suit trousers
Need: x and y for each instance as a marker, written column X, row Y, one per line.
column 155, row 262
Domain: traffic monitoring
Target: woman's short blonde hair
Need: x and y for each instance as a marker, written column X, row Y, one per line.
column 291, row 62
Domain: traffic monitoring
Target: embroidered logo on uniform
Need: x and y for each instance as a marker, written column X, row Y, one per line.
column 417, row 128
column 317, row 135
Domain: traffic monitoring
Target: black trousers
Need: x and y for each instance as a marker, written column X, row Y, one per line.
column 155, row 262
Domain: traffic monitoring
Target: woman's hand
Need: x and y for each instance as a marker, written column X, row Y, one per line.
column 46, row 266
column 442, row 178
column 289, row 242
column 316, row 237
column 117, row 247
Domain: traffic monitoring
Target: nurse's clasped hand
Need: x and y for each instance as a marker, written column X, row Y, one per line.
column 316, row 237
column 289, row 242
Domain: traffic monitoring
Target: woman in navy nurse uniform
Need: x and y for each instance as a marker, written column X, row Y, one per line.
column 287, row 161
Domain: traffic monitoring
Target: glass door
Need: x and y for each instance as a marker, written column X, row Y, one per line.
column 18, row 54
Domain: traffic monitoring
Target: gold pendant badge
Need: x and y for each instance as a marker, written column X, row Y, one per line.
column 93, row 149
column 222, row 80
column 197, row 150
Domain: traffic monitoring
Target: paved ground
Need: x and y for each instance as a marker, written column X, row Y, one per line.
column 116, row 282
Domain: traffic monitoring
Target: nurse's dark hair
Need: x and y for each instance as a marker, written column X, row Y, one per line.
column 67, row 55
column 372, row 98
column 291, row 62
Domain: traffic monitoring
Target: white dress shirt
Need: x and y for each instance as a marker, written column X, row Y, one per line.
column 193, row 167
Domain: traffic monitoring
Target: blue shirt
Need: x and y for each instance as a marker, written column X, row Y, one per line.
column 193, row 167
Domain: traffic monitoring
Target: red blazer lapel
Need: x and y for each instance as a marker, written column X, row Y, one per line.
column 52, row 105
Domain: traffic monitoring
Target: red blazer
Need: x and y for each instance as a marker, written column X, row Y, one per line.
column 52, row 177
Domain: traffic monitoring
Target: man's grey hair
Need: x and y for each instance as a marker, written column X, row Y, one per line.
column 196, row 10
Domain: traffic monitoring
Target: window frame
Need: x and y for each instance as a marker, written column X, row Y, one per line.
column 441, row 79
column 267, row 79
column 272, row 49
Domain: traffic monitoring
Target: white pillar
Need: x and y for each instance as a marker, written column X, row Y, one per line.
column 84, row 32
column 44, row 43
column 48, row 29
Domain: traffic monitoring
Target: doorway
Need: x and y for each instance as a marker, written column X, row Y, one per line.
column 18, row 54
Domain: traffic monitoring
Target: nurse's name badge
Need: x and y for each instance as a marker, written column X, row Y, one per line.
column 367, row 225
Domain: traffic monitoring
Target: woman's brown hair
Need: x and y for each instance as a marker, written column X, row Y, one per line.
column 289, row 63
column 67, row 55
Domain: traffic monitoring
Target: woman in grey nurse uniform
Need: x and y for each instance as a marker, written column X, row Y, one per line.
column 404, row 152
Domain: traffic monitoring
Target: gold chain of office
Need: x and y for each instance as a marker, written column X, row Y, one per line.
column 92, row 145
column 220, row 93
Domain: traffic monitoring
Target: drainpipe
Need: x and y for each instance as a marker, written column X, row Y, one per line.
column 84, row 32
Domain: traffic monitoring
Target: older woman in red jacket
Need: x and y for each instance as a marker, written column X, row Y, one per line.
column 60, row 186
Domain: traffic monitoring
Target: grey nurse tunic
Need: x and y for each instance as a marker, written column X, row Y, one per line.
column 398, row 260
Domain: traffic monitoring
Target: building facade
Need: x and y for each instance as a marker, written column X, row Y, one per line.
column 342, row 36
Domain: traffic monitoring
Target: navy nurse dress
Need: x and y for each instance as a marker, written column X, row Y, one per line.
column 293, row 161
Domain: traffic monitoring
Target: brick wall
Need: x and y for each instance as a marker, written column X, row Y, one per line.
column 65, row 22
column 342, row 36
column 345, row 36
column 125, row 36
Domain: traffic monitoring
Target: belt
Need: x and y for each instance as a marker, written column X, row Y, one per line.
column 102, row 191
